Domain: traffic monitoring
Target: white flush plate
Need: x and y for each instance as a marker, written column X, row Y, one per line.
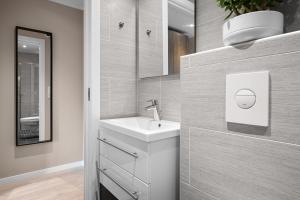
column 258, row 84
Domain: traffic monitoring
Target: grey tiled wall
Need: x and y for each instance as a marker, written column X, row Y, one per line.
column 210, row 19
column 228, row 161
column 119, row 97
column 166, row 90
column 118, row 68
column 118, row 61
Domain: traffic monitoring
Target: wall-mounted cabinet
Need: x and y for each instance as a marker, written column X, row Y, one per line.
column 166, row 31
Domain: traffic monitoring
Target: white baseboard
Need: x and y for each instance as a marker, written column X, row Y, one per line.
column 20, row 177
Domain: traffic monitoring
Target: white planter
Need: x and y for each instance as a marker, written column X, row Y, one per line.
column 252, row 26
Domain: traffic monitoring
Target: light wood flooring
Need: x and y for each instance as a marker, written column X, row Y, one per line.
column 66, row 185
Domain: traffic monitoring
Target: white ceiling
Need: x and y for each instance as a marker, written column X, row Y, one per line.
column 78, row 4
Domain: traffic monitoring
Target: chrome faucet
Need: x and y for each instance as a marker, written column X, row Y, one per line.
column 155, row 107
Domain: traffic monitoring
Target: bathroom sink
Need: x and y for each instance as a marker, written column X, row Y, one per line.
column 143, row 128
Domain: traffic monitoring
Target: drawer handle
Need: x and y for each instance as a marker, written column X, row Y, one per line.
column 132, row 194
column 135, row 155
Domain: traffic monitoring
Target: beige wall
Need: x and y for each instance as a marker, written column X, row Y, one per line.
column 66, row 24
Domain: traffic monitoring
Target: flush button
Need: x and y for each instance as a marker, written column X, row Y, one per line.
column 245, row 98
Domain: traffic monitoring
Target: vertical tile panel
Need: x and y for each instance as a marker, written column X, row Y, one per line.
column 185, row 155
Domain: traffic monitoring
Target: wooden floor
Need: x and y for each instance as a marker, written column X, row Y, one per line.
column 58, row 186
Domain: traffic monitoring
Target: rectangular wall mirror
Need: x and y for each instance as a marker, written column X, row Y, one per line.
column 166, row 31
column 33, row 86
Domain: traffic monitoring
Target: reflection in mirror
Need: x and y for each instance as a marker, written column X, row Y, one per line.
column 166, row 31
column 33, row 86
column 181, row 32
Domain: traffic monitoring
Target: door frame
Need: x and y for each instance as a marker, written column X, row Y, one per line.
column 91, row 94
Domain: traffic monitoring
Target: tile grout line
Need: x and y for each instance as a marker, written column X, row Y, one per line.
column 245, row 136
column 160, row 92
column 109, row 96
column 195, row 188
column 189, row 156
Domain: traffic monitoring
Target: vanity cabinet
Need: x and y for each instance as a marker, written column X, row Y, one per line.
column 134, row 169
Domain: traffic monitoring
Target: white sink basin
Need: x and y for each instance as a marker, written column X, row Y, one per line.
column 143, row 128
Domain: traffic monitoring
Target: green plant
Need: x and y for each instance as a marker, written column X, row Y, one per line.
column 239, row 7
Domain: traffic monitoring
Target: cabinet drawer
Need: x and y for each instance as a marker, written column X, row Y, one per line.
column 124, row 152
column 123, row 185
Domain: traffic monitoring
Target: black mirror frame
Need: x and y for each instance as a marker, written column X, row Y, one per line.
column 16, row 83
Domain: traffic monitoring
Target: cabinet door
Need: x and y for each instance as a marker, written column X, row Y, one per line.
column 128, row 153
column 121, row 184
